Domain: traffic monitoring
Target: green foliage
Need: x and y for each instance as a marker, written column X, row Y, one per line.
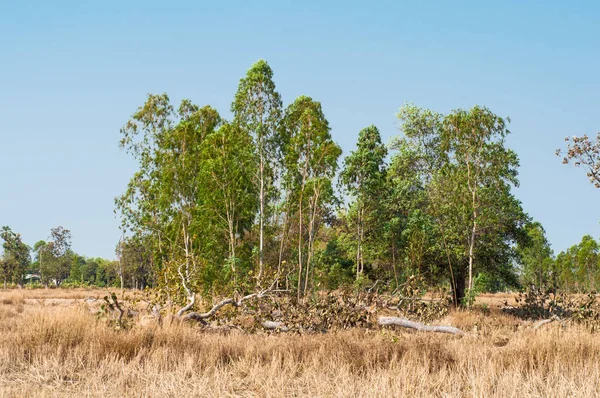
column 537, row 258
column 257, row 110
column 460, row 163
column 364, row 178
column 16, row 257
column 578, row 268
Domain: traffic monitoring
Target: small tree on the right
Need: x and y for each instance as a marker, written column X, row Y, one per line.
column 584, row 152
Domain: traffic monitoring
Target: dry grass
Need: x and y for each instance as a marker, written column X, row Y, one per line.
column 64, row 351
column 41, row 294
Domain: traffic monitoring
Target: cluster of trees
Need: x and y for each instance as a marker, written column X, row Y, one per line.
column 53, row 263
column 232, row 205
column 219, row 205
column 576, row 269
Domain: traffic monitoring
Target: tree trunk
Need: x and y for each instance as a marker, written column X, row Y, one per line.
column 471, row 251
column 459, row 293
column 300, row 249
column 261, row 216
column 282, row 244
column 358, row 244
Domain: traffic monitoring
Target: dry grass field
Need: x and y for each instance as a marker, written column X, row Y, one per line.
column 51, row 345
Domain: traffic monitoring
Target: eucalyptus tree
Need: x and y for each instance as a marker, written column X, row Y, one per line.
column 257, row 109
column 311, row 164
column 165, row 199
column 232, row 200
column 588, row 256
column 474, row 141
column 16, row 258
column 468, row 173
column 364, row 178
column 56, row 256
column 579, row 266
column 136, row 261
column 409, row 231
column 537, row 258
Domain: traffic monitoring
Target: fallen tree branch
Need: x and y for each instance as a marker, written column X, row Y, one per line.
column 115, row 306
column 405, row 323
column 541, row 323
column 197, row 316
column 275, row 325
column 191, row 295
column 190, row 304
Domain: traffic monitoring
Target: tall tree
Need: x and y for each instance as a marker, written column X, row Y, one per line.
column 136, row 261
column 410, row 231
column 311, row 163
column 588, row 255
column 166, row 198
column 468, row 173
column 257, row 108
column 56, row 256
column 228, row 174
column 475, row 141
column 537, row 258
column 16, row 258
column 364, row 177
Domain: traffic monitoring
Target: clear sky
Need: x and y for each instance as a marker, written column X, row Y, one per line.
column 72, row 72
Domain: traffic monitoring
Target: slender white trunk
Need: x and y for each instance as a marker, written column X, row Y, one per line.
column 358, row 243
column 261, row 215
column 311, row 234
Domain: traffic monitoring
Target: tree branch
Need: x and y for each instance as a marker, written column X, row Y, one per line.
column 197, row 316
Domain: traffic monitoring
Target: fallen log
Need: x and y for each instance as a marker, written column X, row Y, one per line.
column 405, row 323
column 541, row 323
column 275, row 325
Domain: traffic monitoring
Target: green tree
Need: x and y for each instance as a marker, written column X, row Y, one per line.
column 468, row 174
column 232, row 194
column 136, row 262
column 587, row 259
column 537, row 258
column 257, row 109
column 16, row 258
column 55, row 261
column 409, row 230
column 474, row 140
column 364, row 178
column 311, row 163
column 166, row 199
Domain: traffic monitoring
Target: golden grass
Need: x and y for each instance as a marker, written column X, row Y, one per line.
column 41, row 294
column 65, row 351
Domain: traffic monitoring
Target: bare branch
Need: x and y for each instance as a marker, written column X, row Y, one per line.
column 228, row 301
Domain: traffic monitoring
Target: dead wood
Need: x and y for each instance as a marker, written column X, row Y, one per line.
column 275, row 325
column 115, row 306
column 198, row 316
column 543, row 322
column 405, row 323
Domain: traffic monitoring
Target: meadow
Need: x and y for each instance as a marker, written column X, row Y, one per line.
column 52, row 344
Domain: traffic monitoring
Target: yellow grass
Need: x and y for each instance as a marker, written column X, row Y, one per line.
column 51, row 350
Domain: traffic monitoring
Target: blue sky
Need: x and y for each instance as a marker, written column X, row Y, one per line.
column 71, row 74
